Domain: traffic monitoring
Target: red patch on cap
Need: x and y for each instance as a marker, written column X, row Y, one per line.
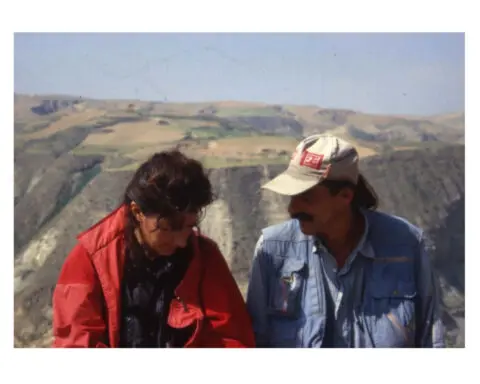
column 311, row 160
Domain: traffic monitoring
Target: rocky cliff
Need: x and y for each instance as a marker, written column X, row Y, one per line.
column 426, row 187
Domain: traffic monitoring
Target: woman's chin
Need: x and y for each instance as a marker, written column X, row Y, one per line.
column 165, row 252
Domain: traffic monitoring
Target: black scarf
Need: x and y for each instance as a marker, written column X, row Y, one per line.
column 148, row 287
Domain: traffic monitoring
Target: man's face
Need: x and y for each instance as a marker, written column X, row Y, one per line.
column 317, row 208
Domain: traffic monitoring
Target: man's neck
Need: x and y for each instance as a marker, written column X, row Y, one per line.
column 343, row 235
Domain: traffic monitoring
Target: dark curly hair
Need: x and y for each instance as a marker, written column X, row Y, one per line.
column 168, row 185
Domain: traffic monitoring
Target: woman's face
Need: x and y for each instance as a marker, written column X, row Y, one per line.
column 158, row 234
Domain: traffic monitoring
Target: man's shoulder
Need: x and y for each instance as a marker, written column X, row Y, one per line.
column 278, row 246
column 288, row 230
column 391, row 227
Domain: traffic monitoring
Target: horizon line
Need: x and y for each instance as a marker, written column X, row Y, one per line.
column 259, row 103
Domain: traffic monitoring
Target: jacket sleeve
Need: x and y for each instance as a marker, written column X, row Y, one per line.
column 257, row 296
column 430, row 332
column 78, row 304
column 227, row 316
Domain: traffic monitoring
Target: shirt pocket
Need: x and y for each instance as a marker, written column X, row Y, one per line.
column 287, row 288
column 285, row 303
column 392, row 312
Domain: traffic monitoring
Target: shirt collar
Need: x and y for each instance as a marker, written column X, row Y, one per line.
column 364, row 246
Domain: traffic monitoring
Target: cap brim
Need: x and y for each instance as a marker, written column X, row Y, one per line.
column 285, row 184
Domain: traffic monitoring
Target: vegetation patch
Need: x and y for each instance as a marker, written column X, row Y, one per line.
column 237, row 112
column 141, row 132
column 213, row 162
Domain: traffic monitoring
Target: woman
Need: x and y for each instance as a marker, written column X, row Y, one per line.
column 145, row 277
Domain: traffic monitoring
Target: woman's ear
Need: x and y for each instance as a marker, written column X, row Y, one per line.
column 137, row 212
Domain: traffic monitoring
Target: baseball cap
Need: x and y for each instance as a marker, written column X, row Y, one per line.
column 323, row 157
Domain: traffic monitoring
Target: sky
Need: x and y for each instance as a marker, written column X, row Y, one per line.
column 386, row 73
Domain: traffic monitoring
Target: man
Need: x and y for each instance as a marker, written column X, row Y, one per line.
column 339, row 273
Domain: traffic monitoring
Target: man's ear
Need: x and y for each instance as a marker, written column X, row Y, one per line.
column 137, row 212
column 347, row 194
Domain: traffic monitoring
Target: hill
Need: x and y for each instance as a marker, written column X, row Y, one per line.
column 73, row 157
column 220, row 133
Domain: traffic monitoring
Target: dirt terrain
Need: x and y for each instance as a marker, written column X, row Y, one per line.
column 74, row 157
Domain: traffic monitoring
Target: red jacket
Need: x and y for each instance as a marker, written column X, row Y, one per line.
column 86, row 300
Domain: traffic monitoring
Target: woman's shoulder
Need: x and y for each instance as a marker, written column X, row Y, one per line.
column 211, row 253
column 101, row 234
column 206, row 243
column 209, row 248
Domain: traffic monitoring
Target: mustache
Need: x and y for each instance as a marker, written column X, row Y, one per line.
column 302, row 216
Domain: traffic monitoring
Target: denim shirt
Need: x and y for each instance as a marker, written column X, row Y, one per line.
column 386, row 295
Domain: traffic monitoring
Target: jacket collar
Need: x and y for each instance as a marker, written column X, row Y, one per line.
column 105, row 231
column 110, row 228
column 364, row 246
